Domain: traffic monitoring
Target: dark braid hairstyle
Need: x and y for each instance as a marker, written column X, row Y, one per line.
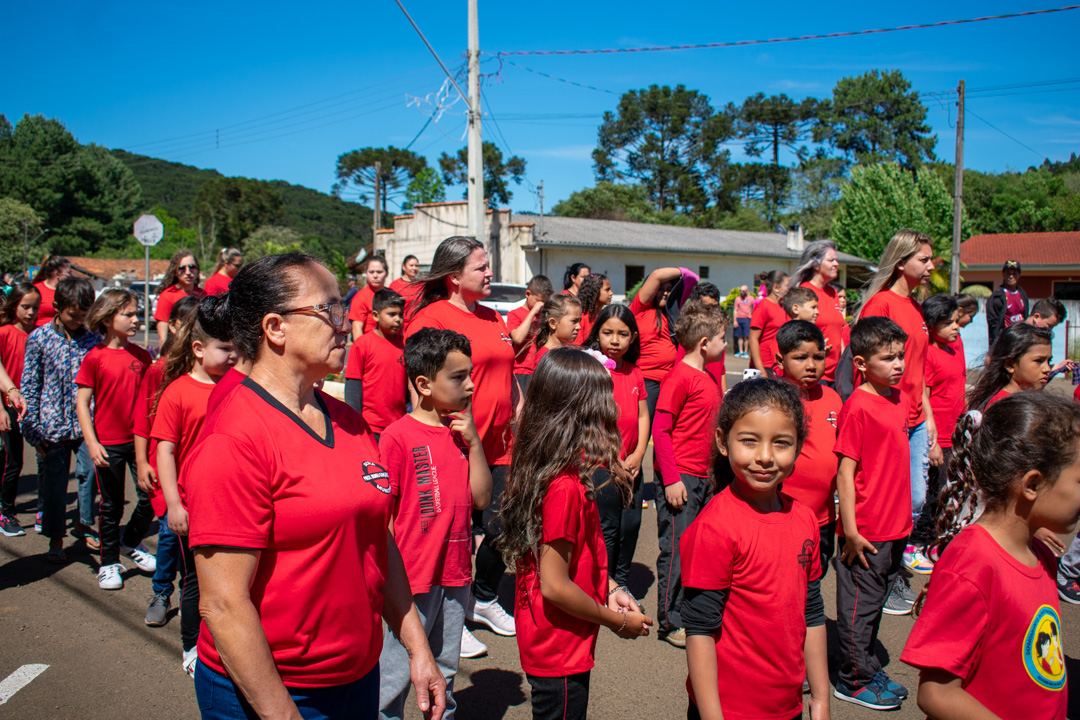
column 589, row 293
column 1007, row 350
column 992, row 450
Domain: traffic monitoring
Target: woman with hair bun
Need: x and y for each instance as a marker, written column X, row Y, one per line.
column 229, row 262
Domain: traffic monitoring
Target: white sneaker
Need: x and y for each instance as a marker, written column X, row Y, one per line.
column 191, row 657
column 109, row 577
column 141, row 557
column 470, row 646
column 492, row 615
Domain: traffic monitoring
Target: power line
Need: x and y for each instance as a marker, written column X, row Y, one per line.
column 559, row 79
column 995, row 127
column 430, row 49
column 800, row 38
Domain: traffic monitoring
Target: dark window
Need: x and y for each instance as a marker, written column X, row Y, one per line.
column 634, row 275
column 1067, row 290
column 703, row 272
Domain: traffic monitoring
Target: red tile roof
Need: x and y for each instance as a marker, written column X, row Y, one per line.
column 1049, row 248
column 108, row 268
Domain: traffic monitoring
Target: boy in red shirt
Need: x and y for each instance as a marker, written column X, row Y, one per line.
column 375, row 373
column 802, row 357
column 682, row 436
column 523, row 324
column 874, row 486
column 438, row 475
column 800, row 304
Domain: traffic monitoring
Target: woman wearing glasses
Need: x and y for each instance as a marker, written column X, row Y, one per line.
column 229, row 262
column 181, row 280
column 288, row 510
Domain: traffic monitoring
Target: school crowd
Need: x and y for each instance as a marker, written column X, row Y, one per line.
column 327, row 551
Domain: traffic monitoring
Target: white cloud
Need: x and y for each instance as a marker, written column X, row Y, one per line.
column 1055, row 120
column 562, row 152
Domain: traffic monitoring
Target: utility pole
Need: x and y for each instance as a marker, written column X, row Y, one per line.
column 958, row 195
column 476, row 157
column 377, row 225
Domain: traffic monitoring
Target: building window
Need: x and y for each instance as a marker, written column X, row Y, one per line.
column 703, row 272
column 634, row 275
column 1067, row 290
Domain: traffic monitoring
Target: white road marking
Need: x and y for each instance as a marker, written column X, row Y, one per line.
column 19, row 679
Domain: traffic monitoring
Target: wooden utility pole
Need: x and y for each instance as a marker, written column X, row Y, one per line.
column 377, row 225
column 958, row 195
column 475, row 151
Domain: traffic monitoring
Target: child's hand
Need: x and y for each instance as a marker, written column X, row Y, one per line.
column 5, row 422
column 462, row 422
column 147, row 478
column 637, row 625
column 19, row 403
column 99, row 455
column 937, row 457
column 632, row 464
column 622, row 601
column 178, row 520
column 1052, row 541
column 854, row 547
column 675, row 494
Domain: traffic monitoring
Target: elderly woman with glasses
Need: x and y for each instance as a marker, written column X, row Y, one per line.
column 181, row 280
column 289, row 508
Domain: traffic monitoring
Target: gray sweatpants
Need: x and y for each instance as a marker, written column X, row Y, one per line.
column 1069, row 564
column 860, row 596
column 442, row 611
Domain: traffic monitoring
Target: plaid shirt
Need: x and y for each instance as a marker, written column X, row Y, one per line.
column 48, row 384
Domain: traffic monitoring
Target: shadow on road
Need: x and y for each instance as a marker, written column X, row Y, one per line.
column 491, row 694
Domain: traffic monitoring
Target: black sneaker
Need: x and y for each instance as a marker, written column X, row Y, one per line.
column 874, row 696
column 1070, row 592
column 10, row 526
column 891, row 685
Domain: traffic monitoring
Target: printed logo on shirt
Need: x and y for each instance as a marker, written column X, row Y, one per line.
column 832, row 418
column 807, row 554
column 376, row 476
column 1044, row 658
column 136, row 366
column 506, row 339
column 427, row 486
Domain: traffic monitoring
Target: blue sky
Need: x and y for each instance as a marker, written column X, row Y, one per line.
column 279, row 90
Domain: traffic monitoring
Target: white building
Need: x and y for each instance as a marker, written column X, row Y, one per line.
column 527, row 245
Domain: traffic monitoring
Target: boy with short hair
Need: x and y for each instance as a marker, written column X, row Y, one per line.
column 683, row 435
column 969, row 308
column 438, row 475
column 800, row 304
column 375, row 373
column 1047, row 313
column 54, row 353
column 813, row 481
column 523, row 323
column 874, row 486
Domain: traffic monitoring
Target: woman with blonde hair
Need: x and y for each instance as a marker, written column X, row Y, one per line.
column 229, row 262
column 905, row 266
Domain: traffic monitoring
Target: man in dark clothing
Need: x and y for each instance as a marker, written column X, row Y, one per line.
column 1008, row 304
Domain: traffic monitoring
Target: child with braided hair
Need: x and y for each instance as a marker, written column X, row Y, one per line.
column 987, row 638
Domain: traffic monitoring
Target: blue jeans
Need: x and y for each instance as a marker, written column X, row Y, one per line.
column 168, row 554
column 53, row 469
column 220, row 699
column 919, row 456
column 84, row 473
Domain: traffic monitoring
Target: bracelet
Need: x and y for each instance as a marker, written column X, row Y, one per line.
column 11, row 390
column 617, row 588
column 623, row 626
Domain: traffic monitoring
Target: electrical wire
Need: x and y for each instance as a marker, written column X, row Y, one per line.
column 969, row 111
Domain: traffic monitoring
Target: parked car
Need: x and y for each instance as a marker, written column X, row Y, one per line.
column 505, row 297
column 137, row 287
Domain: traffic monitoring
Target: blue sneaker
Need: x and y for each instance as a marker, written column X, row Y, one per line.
column 892, row 686
column 874, row 695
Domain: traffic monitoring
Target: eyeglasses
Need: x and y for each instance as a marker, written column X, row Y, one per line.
column 335, row 310
column 189, row 269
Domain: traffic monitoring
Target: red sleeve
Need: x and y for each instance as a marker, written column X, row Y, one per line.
column 168, row 421
column 514, row 319
column 664, row 446
column 948, row 633
column 849, row 437
column 562, row 512
column 144, row 401
column 707, row 556
column 165, row 302
column 88, row 375
column 759, row 318
column 639, row 380
column 392, row 454
column 672, row 394
column 636, row 307
column 227, row 493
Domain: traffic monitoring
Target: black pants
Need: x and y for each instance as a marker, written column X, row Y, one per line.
column 354, row 394
column 12, row 466
column 621, row 524
column 652, row 394
column 489, row 563
column 925, row 529
column 560, row 698
column 670, row 526
column 189, row 597
column 827, row 546
column 860, row 595
column 111, row 486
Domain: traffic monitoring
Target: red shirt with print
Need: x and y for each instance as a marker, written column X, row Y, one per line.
column 813, row 481
column 872, row 430
column 551, row 642
column 906, row 313
column 114, row 376
column 765, row 562
column 379, row 364
column 657, row 350
column 692, row 397
column 768, row 317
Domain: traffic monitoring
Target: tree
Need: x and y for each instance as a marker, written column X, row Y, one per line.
column 229, row 209
column 396, row 165
column 607, row 201
column 881, row 199
column 426, row 187
column 815, row 190
column 497, row 173
column 668, row 140
column 272, row 240
column 877, row 117
column 19, row 224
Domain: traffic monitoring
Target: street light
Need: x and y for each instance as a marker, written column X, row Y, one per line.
column 26, row 248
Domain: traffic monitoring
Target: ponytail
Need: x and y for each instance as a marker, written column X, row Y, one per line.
column 554, row 308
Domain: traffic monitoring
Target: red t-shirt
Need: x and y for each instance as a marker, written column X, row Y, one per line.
column 584, row 330
column 429, row 478
column 872, row 430
column 906, row 313
column 997, row 396
column 144, row 420
column 1014, row 307
column 318, row 509
column 629, row 391
column 46, row 311
column 995, row 623
column 717, row 369
column 523, row 356
column 693, row 399
column 946, row 376
column 379, row 364
column 536, row 359
column 553, row 643
column 1076, row 392
column 217, row 284
column 13, row 351
column 768, row 317
column 493, row 369
column 114, row 377
column 360, row 308
column 831, row 322
column 169, row 296
column 764, row 561
column 813, row 481
column 181, row 413
column 657, row 351
column 409, row 291
column 228, row 382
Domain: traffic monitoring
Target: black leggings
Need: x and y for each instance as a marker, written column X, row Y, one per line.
column 489, row 563
column 621, row 524
column 12, row 466
column 111, row 486
column 189, row 598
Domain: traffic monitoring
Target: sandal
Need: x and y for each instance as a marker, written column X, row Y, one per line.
column 56, row 557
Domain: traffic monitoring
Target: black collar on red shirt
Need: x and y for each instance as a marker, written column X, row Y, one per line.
column 273, row 402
